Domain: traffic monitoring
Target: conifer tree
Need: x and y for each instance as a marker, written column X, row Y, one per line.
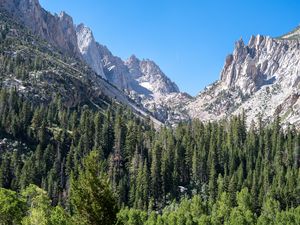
column 91, row 195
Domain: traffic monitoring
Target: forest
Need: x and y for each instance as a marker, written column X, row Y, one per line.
column 82, row 165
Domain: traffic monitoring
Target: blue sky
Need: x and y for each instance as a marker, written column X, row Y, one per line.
column 188, row 39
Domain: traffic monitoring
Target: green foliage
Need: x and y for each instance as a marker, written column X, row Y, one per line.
column 187, row 213
column 91, row 195
column 131, row 217
column 223, row 172
column 31, row 207
column 242, row 214
column 12, row 207
column 269, row 211
column 39, row 206
column 59, row 217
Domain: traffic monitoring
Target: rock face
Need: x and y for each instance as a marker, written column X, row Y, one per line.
column 150, row 76
column 261, row 79
column 88, row 49
column 249, row 68
column 146, row 84
column 156, row 92
column 58, row 30
column 49, row 73
column 141, row 80
column 114, row 68
column 141, row 76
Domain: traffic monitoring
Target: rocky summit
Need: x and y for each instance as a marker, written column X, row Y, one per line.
column 88, row 48
column 260, row 79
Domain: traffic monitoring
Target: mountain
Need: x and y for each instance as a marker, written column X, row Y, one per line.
column 260, row 79
column 162, row 96
column 40, row 71
column 88, row 49
column 146, row 84
column 150, row 76
column 142, row 80
column 58, row 30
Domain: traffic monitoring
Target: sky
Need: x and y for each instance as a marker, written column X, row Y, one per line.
column 188, row 39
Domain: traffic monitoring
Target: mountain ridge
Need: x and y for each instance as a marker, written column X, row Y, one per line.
column 259, row 79
column 78, row 40
column 58, row 30
column 294, row 34
column 40, row 72
column 264, row 68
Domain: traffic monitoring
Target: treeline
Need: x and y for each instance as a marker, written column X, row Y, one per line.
column 149, row 169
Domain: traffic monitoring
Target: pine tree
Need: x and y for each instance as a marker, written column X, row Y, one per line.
column 156, row 171
column 91, row 195
column 12, row 207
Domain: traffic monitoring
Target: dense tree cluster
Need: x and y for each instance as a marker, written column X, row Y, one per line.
column 230, row 173
column 91, row 201
column 199, row 211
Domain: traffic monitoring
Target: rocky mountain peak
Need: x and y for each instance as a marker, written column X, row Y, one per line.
column 57, row 30
column 150, row 76
column 31, row 5
column 66, row 19
column 260, row 78
column 115, row 70
column 133, row 64
column 89, row 49
column 242, row 69
column 240, row 50
column 160, row 83
column 239, row 44
column 84, row 37
column 82, row 28
column 132, row 60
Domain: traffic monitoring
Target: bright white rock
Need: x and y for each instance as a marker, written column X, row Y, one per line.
column 261, row 79
column 88, row 49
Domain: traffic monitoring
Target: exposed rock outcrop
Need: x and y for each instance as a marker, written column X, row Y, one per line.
column 58, row 30
column 257, row 78
column 88, row 49
column 260, row 78
column 146, row 84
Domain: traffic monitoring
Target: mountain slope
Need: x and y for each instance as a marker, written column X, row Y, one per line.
column 58, row 30
column 294, row 34
column 40, row 72
column 146, row 84
column 261, row 79
column 150, row 76
column 141, row 80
